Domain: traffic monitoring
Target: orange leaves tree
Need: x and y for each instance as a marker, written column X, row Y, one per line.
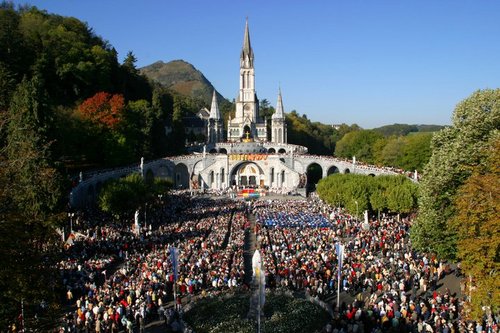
column 103, row 109
column 105, row 116
column 478, row 226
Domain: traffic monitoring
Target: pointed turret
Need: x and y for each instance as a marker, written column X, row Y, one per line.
column 280, row 112
column 214, row 109
column 246, row 57
column 214, row 124
column 278, row 122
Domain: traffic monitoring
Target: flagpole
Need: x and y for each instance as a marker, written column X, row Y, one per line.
column 174, row 258
column 22, row 315
column 258, row 308
column 338, row 291
column 340, row 255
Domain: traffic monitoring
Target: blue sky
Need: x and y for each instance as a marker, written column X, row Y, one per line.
column 367, row 62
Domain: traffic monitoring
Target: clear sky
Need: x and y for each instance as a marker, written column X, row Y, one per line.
column 367, row 62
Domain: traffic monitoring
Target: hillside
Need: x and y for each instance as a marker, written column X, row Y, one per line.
column 405, row 129
column 183, row 78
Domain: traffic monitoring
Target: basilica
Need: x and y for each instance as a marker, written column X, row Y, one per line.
column 251, row 156
column 249, row 141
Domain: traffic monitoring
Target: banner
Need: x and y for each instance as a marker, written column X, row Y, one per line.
column 247, row 157
column 340, row 255
column 174, row 257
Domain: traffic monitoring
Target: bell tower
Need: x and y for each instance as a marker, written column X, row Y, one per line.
column 246, row 118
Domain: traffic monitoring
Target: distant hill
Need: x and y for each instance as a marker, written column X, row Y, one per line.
column 405, row 129
column 183, row 78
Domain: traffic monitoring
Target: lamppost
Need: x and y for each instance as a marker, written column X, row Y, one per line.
column 70, row 215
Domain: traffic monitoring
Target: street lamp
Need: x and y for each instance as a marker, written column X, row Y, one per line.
column 70, row 215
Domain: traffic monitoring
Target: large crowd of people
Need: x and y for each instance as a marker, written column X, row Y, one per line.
column 395, row 287
column 119, row 279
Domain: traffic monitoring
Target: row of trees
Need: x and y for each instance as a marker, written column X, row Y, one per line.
column 409, row 152
column 357, row 193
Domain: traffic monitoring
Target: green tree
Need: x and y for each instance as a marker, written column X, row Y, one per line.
column 37, row 184
column 358, row 143
column 315, row 136
column 177, row 136
column 129, row 62
column 124, row 196
column 265, row 109
column 416, row 152
column 454, row 151
column 13, row 52
column 392, row 152
column 30, row 197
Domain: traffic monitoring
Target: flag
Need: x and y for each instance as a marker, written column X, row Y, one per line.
column 174, row 257
column 259, row 276
column 340, row 255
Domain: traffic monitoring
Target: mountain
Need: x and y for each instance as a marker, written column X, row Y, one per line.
column 183, row 78
column 405, row 129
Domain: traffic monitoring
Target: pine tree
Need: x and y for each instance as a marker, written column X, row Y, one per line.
column 30, row 192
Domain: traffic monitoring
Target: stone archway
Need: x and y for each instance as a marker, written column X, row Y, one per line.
column 271, row 151
column 331, row 170
column 247, row 174
column 91, row 195
column 149, row 177
column 314, row 174
column 282, row 151
column 181, row 176
column 347, row 170
column 223, row 151
column 164, row 172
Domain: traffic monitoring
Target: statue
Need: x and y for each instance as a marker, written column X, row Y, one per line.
column 247, row 139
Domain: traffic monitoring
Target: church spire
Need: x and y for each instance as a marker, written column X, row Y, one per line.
column 246, row 57
column 214, row 109
column 280, row 112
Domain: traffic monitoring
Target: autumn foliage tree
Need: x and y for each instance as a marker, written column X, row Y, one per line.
column 456, row 150
column 103, row 109
column 477, row 225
